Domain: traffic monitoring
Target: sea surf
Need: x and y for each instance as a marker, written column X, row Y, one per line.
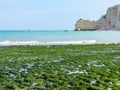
column 57, row 37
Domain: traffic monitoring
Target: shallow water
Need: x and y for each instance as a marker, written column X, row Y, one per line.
column 43, row 37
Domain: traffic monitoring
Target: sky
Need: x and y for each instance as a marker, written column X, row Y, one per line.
column 49, row 14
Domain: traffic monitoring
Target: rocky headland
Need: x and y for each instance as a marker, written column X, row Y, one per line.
column 109, row 21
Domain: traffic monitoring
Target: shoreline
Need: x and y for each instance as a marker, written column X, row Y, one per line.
column 38, row 43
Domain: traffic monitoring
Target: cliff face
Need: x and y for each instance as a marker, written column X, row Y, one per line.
column 83, row 24
column 111, row 20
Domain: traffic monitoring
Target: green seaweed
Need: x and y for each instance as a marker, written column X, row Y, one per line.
column 60, row 67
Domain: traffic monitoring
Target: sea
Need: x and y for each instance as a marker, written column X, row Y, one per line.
column 57, row 37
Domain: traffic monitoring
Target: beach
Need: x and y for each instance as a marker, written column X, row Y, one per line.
column 59, row 45
column 59, row 60
column 80, row 67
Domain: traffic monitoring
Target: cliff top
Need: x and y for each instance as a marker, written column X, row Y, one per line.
column 118, row 5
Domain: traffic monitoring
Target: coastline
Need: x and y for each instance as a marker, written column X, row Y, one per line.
column 33, row 43
column 11, row 38
column 38, row 43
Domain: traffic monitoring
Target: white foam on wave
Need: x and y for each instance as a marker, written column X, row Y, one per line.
column 11, row 43
column 73, row 42
column 17, row 43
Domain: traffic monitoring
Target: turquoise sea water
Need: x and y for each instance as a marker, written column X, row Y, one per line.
column 59, row 36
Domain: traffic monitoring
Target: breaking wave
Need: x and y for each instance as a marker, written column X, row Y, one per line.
column 18, row 43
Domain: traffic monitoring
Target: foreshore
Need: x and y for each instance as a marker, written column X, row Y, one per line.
column 38, row 43
column 60, row 67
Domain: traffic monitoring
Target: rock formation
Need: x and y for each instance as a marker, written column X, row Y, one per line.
column 111, row 20
column 86, row 25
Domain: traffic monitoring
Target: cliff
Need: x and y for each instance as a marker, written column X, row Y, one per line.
column 111, row 20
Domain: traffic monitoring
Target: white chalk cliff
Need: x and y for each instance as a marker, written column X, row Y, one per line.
column 109, row 21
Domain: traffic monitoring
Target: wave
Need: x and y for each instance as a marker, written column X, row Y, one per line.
column 17, row 43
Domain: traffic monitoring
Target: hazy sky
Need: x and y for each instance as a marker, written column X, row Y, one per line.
column 50, row 14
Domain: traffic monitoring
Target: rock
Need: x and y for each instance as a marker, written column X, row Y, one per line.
column 85, row 24
column 111, row 20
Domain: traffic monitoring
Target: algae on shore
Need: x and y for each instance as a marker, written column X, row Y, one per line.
column 60, row 67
